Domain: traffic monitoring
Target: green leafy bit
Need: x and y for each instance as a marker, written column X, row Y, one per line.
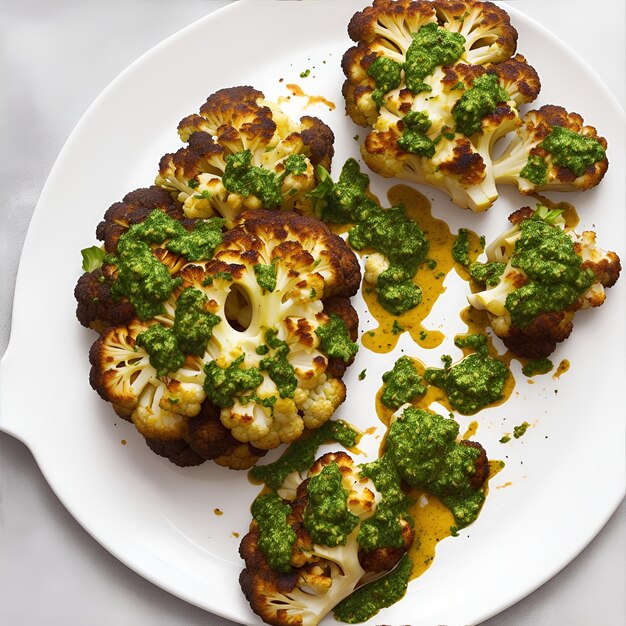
column 345, row 201
column 326, row 517
column 402, row 384
column 474, row 382
column 335, row 339
column 241, row 177
column 363, row 374
column 161, row 345
column 222, row 384
column 367, row 600
column 276, row 536
column 477, row 102
column 277, row 365
column 193, row 323
column 300, row 455
column 93, row 258
column 573, row 151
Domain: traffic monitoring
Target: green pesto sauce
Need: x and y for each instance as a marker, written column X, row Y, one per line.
column 573, row 151
column 423, row 448
column 537, row 366
column 402, row 384
column 276, row 537
column 362, row 374
column 241, row 177
column 141, row 277
column 346, row 201
column 300, row 455
column 193, row 324
column 161, row 345
column 474, row 382
column 145, row 281
column 414, row 137
column 199, row 243
column 397, row 329
column 556, row 276
column 477, row 102
column 388, row 231
column 535, row 170
column 460, row 248
column 326, row 516
column 431, row 46
column 387, row 75
column 384, row 529
column 266, row 276
column 335, row 339
column 278, row 367
column 223, row 384
column 295, row 164
column 519, row 431
column 392, row 233
column 505, row 439
column 487, row 274
column 369, row 599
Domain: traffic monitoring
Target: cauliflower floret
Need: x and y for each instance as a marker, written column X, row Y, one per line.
column 445, row 137
column 532, row 306
column 243, row 331
column 324, row 567
column 122, row 373
column 320, row 403
column 554, row 150
column 489, row 35
column 375, row 265
column 245, row 153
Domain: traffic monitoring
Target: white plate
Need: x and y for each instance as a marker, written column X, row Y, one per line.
column 567, row 472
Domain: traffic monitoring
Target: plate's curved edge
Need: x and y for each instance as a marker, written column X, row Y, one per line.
column 8, row 424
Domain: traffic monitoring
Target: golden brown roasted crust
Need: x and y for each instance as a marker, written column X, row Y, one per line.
column 362, row 26
column 477, row 480
column 492, row 17
column 178, row 452
column 95, row 307
column 516, row 71
column 134, row 208
column 308, row 232
column 467, row 164
column 319, row 140
column 385, row 559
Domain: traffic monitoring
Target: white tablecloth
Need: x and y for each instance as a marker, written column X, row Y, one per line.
column 55, row 57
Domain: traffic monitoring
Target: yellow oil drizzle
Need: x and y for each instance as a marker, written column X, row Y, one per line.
column 382, row 339
column 562, row 367
column 471, row 430
column 298, row 92
column 433, row 522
